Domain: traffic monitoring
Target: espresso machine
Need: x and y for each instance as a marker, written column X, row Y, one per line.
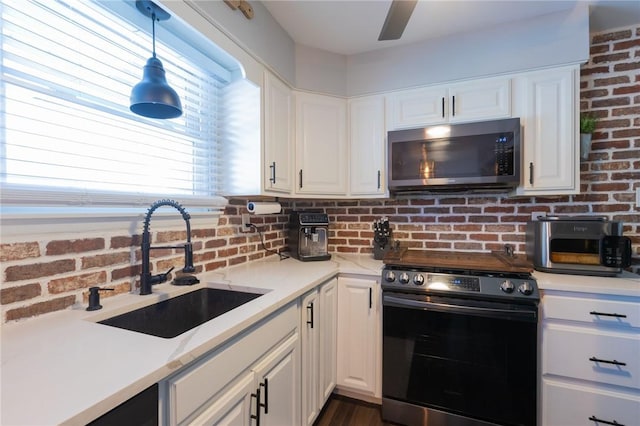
column 308, row 236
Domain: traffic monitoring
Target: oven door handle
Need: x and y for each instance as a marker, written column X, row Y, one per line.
column 523, row 315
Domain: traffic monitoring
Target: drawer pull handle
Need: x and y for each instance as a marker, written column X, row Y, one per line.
column 597, row 420
column 604, row 314
column 256, row 417
column 606, row 361
column 310, row 314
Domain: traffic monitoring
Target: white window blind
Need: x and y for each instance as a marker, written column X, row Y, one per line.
column 68, row 137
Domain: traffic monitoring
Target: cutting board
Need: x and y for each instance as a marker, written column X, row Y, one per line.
column 487, row 262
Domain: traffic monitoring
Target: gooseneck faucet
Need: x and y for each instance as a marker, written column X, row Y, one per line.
column 146, row 279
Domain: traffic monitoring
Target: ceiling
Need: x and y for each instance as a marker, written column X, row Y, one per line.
column 352, row 26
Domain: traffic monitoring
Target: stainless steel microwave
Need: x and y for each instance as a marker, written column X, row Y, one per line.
column 460, row 157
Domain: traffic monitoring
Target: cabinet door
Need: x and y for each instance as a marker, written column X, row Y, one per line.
column 310, row 341
column 358, row 336
column 480, row 100
column 367, row 146
column 416, row 108
column 233, row 407
column 278, row 376
column 328, row 340
column 321, row 144
column 278, row 140
column 550, row 161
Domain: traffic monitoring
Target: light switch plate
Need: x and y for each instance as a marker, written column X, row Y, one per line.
column 534, row 215
column 638, row 198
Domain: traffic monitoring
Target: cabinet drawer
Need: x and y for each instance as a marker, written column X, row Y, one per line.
column 569, row 405
column 190, row 389
column 592, row 355
column 592, row 311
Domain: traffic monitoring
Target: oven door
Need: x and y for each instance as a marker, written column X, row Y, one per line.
column 468, row 359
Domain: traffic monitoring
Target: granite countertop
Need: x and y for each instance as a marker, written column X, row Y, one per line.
column 63, row 368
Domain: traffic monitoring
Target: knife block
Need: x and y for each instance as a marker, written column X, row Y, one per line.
column 380, row 251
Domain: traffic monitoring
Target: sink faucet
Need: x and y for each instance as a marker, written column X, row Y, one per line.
column 146, row 279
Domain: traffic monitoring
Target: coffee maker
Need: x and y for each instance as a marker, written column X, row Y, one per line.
column 308, row 236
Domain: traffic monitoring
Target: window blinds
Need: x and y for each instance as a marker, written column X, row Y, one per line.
column 68, row 137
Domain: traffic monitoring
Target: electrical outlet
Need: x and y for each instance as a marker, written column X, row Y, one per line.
column 534, row 215
column 638, row 198
column 246, row 221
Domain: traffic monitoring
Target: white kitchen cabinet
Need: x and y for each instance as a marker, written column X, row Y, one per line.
column 483, row 99
column 321, row 144
column 222, row 387
column 590, row 359
column 548, row 106
column 359, row 336
column 318, row 338
column 278, row 135
column 278, row 376
column 367, row 138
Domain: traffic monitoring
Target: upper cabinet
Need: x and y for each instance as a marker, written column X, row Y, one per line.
column 278, row 135
column 470, row 101
column 321, row 144
column 367, row 138
column 547, row 104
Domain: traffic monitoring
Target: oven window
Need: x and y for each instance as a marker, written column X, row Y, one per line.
column 474, row 366
column 575, row 250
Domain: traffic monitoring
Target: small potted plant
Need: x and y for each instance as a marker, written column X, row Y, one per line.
column 587, row 127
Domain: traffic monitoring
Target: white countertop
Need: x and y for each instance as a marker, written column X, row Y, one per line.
column 64, row 368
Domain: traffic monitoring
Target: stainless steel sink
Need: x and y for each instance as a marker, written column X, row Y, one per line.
column 173, row 317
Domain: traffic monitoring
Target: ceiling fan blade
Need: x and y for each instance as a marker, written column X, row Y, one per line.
column 397, row 18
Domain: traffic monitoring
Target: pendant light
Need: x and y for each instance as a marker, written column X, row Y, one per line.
column 153, row 97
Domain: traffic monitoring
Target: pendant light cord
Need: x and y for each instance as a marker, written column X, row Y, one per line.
column 153, row 31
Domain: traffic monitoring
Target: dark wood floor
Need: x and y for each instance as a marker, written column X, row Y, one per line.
column 343, row 411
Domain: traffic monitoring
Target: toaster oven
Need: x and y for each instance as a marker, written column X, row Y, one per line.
column 581, row 245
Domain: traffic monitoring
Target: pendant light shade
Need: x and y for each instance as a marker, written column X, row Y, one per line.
column 153, row 97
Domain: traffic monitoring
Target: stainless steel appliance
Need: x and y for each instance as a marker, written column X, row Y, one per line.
column 459, row 339
column 483, row 155
column 582, row 245
column 309, row 236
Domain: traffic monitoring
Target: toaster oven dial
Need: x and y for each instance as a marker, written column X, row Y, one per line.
column 418, row 279
column 526, row 288
column 390, row 276
column 404, row 278
column 507, row 286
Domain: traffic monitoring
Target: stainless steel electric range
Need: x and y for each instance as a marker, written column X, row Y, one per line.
column 459, row 339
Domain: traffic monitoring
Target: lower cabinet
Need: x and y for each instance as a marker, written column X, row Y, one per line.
column 252, row 379
column 590, row 359
column 359, row 336
column 318, row 337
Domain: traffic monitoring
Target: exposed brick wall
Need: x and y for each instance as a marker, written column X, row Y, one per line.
column 49, row 275
column 610, row 89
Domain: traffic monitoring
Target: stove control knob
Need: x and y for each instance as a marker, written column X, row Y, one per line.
column 390, row 276
column 418, row 279
column 507, row 286
column 525, row 288
column 404, row 278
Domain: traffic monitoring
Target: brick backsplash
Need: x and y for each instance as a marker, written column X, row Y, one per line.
column 45, row 276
